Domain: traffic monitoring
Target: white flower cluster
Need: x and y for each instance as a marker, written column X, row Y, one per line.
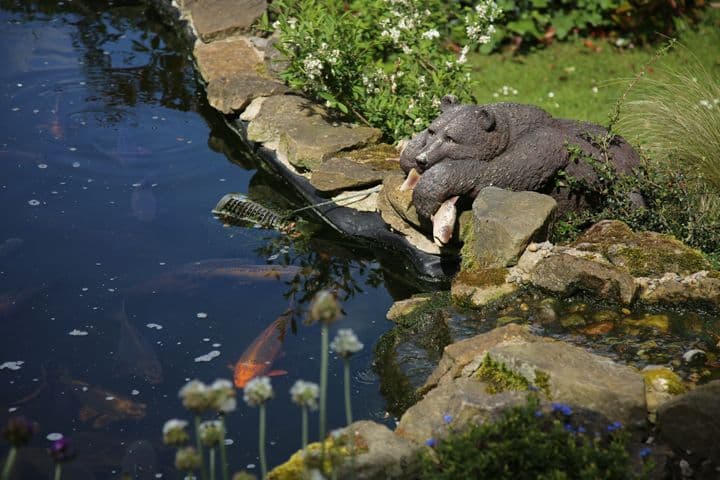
column 313, row 67
column 481, row 28
column 305, row 394
column 174, row 424
column 505, row 91
column 709, row 104
column 346, row 343
column 258, row 391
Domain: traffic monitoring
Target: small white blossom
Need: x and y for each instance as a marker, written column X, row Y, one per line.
column 305, row 394
column 222, row 396
column 174, row 424
column 211, row 432
column 430, row 34
column 346, row 343
column 551, row 94
column 463, row 55
column 313, row 67
column 195, row 396
column 258, row 391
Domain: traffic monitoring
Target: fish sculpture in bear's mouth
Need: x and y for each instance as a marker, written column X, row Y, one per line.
column 444, row 218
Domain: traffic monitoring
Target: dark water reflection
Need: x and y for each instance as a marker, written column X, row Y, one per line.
column 110, row 161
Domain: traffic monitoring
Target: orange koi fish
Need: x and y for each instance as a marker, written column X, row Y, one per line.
column 258, row 358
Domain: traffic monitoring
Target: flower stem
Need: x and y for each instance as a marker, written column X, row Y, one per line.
column 9, row 462
column 223, row 452
column 323, row 391
column 58, row 471
column 346, row 376
column 198, row 445
column 212, row 463
column 304, row 427
column 261, row 442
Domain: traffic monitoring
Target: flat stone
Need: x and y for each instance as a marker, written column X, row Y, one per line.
column 302, row 133
column 398, row 224
column 505, row 222
column 342, row 173
column 401, row 201
column 216, row 19
column 566, row 271
column 362, row 200
column 227, row 59
column 481, row 295
column 405, row 307
column 692, row 421
column 234, row 94
column 700, row 287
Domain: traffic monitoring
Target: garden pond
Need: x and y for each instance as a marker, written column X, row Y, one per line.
column 118, row 285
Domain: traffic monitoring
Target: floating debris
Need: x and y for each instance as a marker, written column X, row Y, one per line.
column 53, row 437
column 34, row 202
column 208, row 356
column 156, row 326
column 78, row 333
column 135, row 392
column 16, row 365
column 201, row 315
column 236, row 208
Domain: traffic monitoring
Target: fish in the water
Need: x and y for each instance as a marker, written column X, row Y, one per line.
column 186, row 278
column 102, row 406
column 142, row 202
column 10, row 246
column 55, row 128
column 12, row 301
column 258, row 358
column 135, row 355
column 127, row 152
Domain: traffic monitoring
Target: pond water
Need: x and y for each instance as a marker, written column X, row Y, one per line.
column 116, row 281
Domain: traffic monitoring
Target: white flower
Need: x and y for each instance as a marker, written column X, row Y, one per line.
column 174, row 424
column 551, row 94
column 195, row 396
column 258, row 391
column 430, row 34
column 305, row 394
column 463, row 55
column 313, row 67
column 222, row 396
column 346, row 343
column 211, row 432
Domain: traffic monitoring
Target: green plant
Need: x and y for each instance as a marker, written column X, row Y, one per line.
column 528, row 442
column 383, row 63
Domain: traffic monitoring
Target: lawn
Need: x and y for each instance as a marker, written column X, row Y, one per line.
column 581, row 78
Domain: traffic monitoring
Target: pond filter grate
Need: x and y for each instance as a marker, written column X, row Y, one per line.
column 236, row 208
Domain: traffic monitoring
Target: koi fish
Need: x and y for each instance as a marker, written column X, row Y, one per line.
column 258, row 358
column 135, row 355
column 102, row 406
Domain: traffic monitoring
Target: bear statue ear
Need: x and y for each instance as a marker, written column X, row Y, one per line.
column 485, row 119
column 447, row 101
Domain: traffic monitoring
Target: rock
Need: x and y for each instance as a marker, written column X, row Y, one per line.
column 342, row 173
column 398, row 224
column 644, row 254
column 661, row 384
column 574, row 320
column 701, row 287
column 383, row 454
column 401, row 201
column 361, row 200
column 300, row 131
column 692, row 421
column 406, row 307
column 233, row 94
column 563, row 372
column 227, row 59
column 465, row 290
column 565, row 271
column 659, row 322
column 217, row 19
column 464, row 399
column 505, row 223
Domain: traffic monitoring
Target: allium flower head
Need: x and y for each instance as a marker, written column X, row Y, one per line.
column 174, row 433
column 325, row 308
column 222, row 396
column 195, row 396
column 305, row 394
column 61, row 450
column 19, row 431
column 258, row 391
column 187, row 459
column 211, row 433
column 346, row 343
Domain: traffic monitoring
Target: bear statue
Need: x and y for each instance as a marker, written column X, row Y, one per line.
column 506, row 145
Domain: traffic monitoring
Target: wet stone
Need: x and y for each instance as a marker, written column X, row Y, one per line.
column 405, row 307
column 398, row 224
column 227, row 59
column 216, row 19
column 400, row 201
column 234, row 94
column 342, row 173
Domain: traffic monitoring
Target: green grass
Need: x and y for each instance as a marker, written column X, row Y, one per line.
column 585, row 82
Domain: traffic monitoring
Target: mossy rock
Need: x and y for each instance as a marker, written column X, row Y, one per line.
column 499, row 378
column 380, row 156
column 643, row 254
column 294, row 468
column 482, row 277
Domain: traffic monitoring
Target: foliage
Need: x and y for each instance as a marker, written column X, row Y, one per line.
column 541, row 21
column 528, row 443
column 381, row 62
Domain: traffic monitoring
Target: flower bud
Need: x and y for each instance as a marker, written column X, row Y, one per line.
column 19, row 431
column 174, row 433
column 258, row 391
column 61, row 450
column 346, row 343
column 187, row 459
column 305, row 394
column 195, row 396
column 211, row 433
column 325, row 308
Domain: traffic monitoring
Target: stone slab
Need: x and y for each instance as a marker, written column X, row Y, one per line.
column 234, row 94
column 227, row 59
column 342, row 173
column 217, row 19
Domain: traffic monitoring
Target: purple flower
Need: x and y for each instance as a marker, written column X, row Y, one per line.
column 62, row 450
column 614, row 426
column 580, row 429
column 645, row 452
column 569, row 428
column 430, row 442
column 562, row 408
column 447, row 418
column 538, row 413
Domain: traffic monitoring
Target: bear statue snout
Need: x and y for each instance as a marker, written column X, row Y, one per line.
column 421, row 160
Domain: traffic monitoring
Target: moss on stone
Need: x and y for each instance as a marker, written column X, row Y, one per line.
column 542, row 382
column 436, row 301
column 294, row 467
column 467, row 236
column 380, row 157
column 663, row 379
column 499, row 378
column 482, row 277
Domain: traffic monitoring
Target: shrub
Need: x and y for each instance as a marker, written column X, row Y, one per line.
column 528, row 443
column 382, row 62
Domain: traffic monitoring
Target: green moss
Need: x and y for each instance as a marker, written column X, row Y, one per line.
column 655, row 257
column 294, row 467
column 482, row 277
column 381, row 156
column 664, row 379
column 542, row 382
column 499, row 378
column 467, row 235
column 436, row 301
